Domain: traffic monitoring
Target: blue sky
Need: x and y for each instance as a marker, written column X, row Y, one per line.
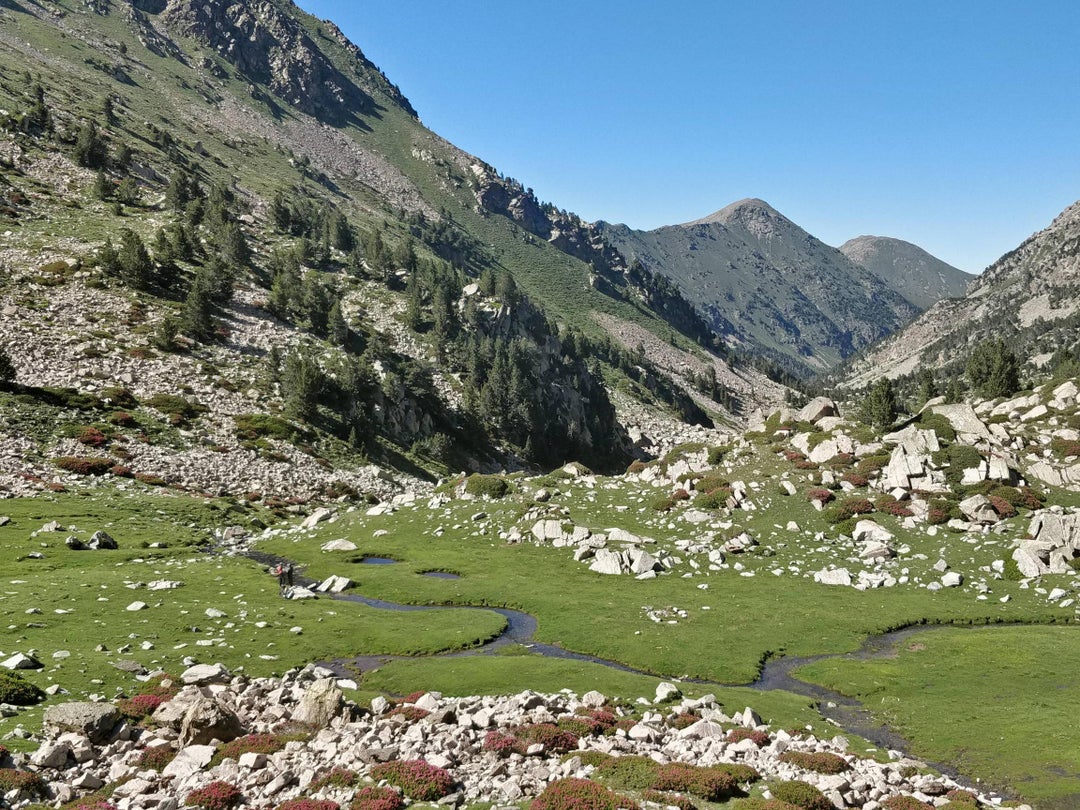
column 953, row 125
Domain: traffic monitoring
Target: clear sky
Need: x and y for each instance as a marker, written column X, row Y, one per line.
column 950, row 124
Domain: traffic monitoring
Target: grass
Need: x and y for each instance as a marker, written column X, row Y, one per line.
column 83, row 599
column 990, row 701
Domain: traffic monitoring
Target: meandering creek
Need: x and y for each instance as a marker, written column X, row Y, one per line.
column 846, row 713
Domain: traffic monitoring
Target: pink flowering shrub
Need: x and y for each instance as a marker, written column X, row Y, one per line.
column 377, row 798
column 308, row 804
column 498, row 742
column 900, row 802
column 819, row 494
column 579, row 794
column 215, row 796
column 157, row 757
column 416, row 778
column 800, row 794
column 140, row 706
column 250, row 744
column 91, row 804
column 684, row 720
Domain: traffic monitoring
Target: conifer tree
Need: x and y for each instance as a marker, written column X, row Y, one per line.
column 7, row 368
column 992, row 370
column 879, row 408
column 136, row 268
column 90, row 149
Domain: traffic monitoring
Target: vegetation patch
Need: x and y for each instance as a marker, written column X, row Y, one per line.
column 377, row 798
column 801, row 794
column 818, row 761
column 80, row 465
column 580, row 794
column 14, row 689
column 218, row 795
column 486, row 486
column 417, row 779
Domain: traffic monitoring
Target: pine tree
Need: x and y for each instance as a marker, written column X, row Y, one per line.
column 197, row 313
column 302, row 382
column 128, row 191
column 879, row 408
column 992, row 370
column 336, row 327
column 280, row 214
column 103, row 187
column 928, row 388
column 90, row 149
column 7, row 368
column 136, row 268
column 37, row 120
column 315, row 305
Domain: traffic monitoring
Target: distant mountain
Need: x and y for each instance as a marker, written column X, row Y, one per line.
column 908, row 269
column 1030, row 297
column 768, row 286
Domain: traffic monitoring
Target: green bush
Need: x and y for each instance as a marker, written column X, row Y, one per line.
column 18, row 692
column 84, row 466
column 708, row 784
column 251, row 426
column 819, row 762
column 629, row 773
column 800, row 794
column 939, row 424
column 178, row 409
column 716, row 454
column 765, row 804
column 14, row 779
column 486, row 486
column 579, row 794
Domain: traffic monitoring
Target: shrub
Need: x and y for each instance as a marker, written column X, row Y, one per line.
column 83, row 466
column 794, row 455
column 157, row 757
column 636, row 467
column 741, row 773
column 711, row 483
column 140, row 706
column 15, row 690
column 178, row 409
column 150, row 479
column 337, row 778
column 1002, row 507
column 14, row 779
column 249, row 744
column 819, row 762
column 819, row 494
column 90, row 803
column 708, row 784
column 668, row 799
column 486, row 486
column 416, row 778
column 251, row 426
column 800, row 794
column 939, row 424
column 807, row 465
column 549, row 735
column 680, row 495
column 683, row 720
column 579, row 794
column 765, row 804
column 217, row 795
column 890, row 506
column 856, row 479
column 1064, row 448
column 629, row 773
column 962, row 796
column 901, row 802
column 497, row 742
column 662, row 504
column 410, row 713
column 119, row 397
column 582, row 725
column 377, row 798
column 716, row 454
column 760, row 738
column 308, row 804
column 91, row 437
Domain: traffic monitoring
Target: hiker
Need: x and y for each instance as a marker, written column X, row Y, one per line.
column 283, row 579
column 288, row 574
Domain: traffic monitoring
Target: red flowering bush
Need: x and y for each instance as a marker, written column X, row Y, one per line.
column 548, row 735
column 794, row 455
column 502, row 744
column 819, row 494
column 92, row 437
column 308, row 804
column 410, row 713
column 766, row 804
column 890, row 506
column 680, row 495
column 83, row 466
column 962, row 796
column 140, row 706
column 416, row 778
column 819, row 762
column 412, row 697
column 336, row 777
column 14, row 779
column 709, row 784
column 579, row 794
column 760, row 738
column 741, row 773
column 3, row 751
column 157, row 757
column 215, row 796
column 1002, row 506
column 377, row 798
column 806, row 465
column 856, row 479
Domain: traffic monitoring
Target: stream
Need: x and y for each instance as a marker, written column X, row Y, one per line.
column 846, row 713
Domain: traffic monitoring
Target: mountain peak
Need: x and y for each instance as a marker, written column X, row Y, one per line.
column 740, row 210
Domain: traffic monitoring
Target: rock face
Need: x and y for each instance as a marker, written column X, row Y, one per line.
column 92, row 720
column 448, row 733
column 1053, row 543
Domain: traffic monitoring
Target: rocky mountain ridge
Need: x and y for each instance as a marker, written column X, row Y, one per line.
column 911, row 271
column 768, row 286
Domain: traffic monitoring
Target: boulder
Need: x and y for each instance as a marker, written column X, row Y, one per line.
column 867, row 531
column 339, row 545
column 100, row 540
column 606, row 561
column 833, row 576
column 977, row 509
column 203, row 674
column 321, row 703
column 207, row 720
column 21, row 661
column 316, row 517
column 93, row 720
column 334, row 584
column 189, row 760
column 818, row 408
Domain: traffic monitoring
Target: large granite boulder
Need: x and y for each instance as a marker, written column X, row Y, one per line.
column 93, row 720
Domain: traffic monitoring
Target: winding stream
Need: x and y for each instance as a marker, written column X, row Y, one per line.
column 846, row 713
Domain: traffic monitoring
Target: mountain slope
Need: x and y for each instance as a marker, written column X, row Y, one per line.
column 769, row 286
column 921, row 278
column 232, row 196
column 1030, row 297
